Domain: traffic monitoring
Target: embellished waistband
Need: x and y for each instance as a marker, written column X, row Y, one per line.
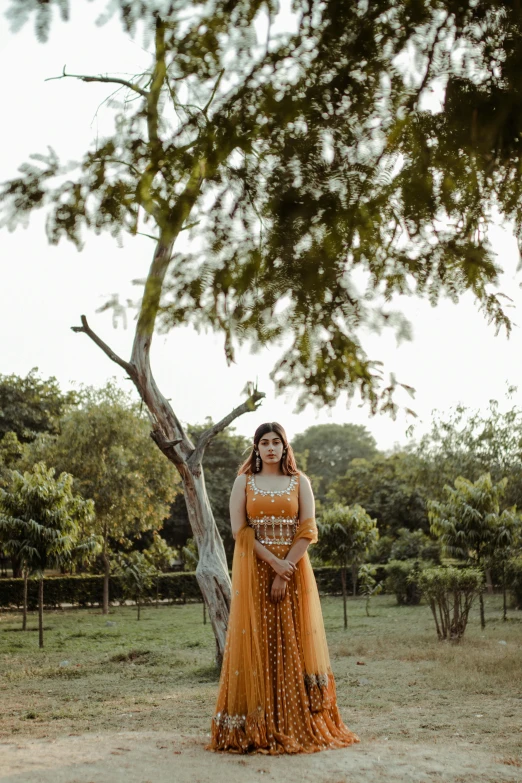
column 274, row 530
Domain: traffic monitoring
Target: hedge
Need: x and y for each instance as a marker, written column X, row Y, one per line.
column 87, row 590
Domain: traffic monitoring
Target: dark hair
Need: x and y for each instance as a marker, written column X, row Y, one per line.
column 288, row 463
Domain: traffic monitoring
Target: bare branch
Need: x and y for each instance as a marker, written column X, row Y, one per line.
column 104, row 79
column 251, row 404
column 86, row 329
column 207, row 105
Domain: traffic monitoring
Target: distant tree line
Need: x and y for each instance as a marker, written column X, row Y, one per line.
column 397, row 509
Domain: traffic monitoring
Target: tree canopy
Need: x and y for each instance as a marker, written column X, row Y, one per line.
column 388, row 488
column 320, row 166
column 330, row 448
column 32, row 405
column 106, row 446
column 469, row 443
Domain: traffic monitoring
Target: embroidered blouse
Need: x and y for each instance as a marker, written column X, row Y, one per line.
column 274, row 514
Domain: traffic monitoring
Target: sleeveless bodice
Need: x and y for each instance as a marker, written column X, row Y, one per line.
column 274, row 514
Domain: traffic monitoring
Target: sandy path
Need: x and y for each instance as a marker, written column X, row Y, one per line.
column 158, row 757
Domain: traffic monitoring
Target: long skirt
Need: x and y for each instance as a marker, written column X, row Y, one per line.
column 300, row 712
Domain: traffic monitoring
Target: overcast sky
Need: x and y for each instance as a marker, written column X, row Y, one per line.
column 454, row 356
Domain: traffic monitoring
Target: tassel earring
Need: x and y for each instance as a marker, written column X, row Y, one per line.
column 258, row 462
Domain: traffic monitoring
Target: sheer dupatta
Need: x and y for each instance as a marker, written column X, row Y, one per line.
column 318, row 672
column 241, row 699
column 241, row 707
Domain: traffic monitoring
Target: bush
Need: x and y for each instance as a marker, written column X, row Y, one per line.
column 87, row 590
column 398, row 573
column 414, row 545
column 450, row 591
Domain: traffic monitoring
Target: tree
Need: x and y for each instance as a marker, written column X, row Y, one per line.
column 40, row 520
column 388, row 488
column 468, row 521
column 32, row 405
column 507, row 537
column 105, row 445
column 312, row 177
column 469, row 443
column 451, row 591
column 329, row 450
column 369, row 584
column 136, row 573
column 346, row 535
column 11, row 452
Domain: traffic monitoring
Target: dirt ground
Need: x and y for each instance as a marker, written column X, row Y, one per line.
column 158, row 757
column 110, row 700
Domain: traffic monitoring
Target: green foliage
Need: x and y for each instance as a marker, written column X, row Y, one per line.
column 86, row 590
column 190, row 555
column 160, row 554
column 388, row 488
column 11, row 454
column 137, row 576
column 41, row 519
column 105, row 444
column 311, row 167
column 469, row 443
column 32, row 405
column 402, row 580
column 346, row 535
column 413, row 545
column 329, row 449
column 468, row 522
column 369, row 584
column 450, row 593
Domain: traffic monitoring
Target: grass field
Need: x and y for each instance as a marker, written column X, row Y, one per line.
column 394, row 679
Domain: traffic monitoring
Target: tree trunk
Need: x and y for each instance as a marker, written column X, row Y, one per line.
column 482, row 614
column 212, row 569
column 106, row 575
column 167, row 431
column 343, row 585
column 354, row 579
column 17, row 567
column 204, row 612
column 40, row 612
column 138, row 605
column 504, row 614
column 24, row 615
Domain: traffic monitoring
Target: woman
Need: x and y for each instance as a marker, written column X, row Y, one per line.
column 277, row 691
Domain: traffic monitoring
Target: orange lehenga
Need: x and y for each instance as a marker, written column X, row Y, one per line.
column 276, row 691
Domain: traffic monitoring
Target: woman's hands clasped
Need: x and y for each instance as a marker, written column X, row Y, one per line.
column 284, row 568
column 284, row 571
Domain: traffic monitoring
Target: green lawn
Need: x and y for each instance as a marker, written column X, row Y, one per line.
column 394, row 678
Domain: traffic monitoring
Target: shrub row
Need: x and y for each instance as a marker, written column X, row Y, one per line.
column 87, row 590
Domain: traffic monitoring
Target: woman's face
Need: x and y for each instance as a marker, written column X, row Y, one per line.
column 270, row 448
